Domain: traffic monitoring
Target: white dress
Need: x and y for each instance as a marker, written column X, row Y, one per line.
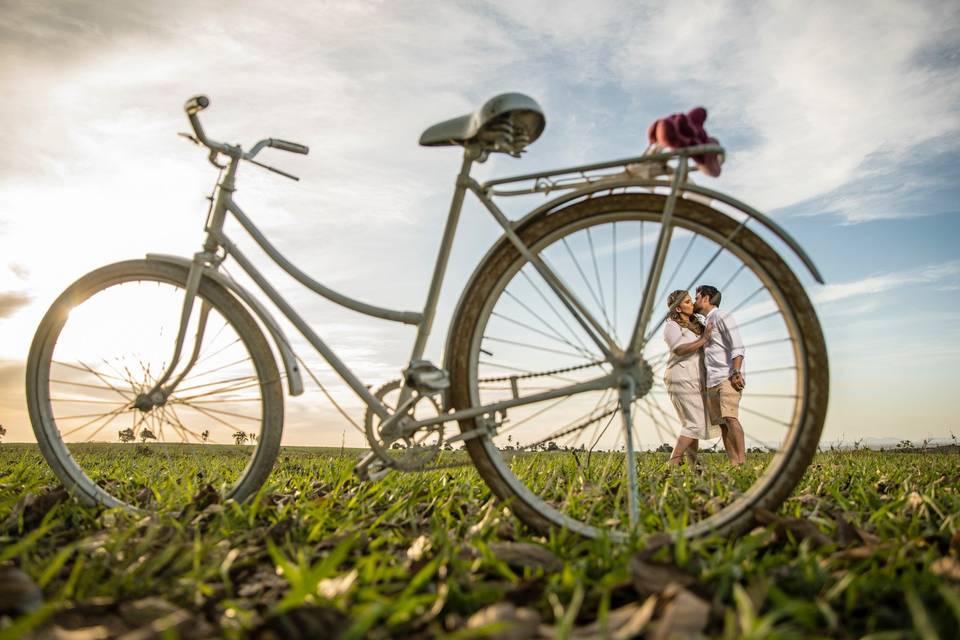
column 684, row 381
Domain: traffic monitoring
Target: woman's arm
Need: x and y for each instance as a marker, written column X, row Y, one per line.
column 689, row 347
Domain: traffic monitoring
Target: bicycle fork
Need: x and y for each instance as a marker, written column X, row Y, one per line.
column 202, row 260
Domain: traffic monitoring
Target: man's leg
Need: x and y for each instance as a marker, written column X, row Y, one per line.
column 729, row 445
column 736, row 449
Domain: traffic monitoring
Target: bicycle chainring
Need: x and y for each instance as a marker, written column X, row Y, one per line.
column 411, row 451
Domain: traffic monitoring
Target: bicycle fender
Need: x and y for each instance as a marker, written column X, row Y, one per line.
column 692, row 189
column 294, row 379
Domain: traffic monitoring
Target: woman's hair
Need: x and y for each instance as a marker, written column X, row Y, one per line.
column 673, row 301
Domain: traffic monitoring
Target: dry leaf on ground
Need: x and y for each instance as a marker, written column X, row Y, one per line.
column 649, row 579
column 526, row 555
column 623, row 623
column 18, row 593
column 946, row 567
column 504, row 621
column 303, row 623
column 795, row 527
column 684, row 616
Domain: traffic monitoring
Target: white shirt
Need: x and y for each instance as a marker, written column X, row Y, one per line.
column 723, row 346
column 675, row 335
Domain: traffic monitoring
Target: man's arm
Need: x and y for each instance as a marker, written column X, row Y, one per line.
column 734, row 344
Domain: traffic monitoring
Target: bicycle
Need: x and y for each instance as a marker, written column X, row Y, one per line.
column 535, row 340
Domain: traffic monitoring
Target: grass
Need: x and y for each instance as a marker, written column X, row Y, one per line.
column 868, row 546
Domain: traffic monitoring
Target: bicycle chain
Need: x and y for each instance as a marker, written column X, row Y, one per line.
column 577, row 427
column 526, row 376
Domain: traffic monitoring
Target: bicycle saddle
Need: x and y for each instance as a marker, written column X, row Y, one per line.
column 507, row 122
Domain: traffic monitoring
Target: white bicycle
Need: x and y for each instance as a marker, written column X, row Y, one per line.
column 550, row 376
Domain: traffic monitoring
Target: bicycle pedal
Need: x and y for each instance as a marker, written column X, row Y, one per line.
column 371, row 468
column 426, row 377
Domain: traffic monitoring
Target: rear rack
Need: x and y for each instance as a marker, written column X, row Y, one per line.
column 652, row 164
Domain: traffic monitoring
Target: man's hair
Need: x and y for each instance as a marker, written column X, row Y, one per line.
column 711, row 292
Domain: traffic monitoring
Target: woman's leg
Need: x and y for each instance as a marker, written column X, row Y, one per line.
column 682, row 447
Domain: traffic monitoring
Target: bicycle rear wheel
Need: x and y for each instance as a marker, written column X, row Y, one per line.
column 562, row 462
column 104, row 343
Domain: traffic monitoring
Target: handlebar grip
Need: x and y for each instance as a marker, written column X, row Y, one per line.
column 288, row 146
column 196, row 104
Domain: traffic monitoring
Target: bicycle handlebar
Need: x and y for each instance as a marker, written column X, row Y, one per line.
column 196, row 104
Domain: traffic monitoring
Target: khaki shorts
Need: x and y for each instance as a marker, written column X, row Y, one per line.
column 723, row 401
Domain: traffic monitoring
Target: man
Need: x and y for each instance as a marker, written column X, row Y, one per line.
column 723, row 358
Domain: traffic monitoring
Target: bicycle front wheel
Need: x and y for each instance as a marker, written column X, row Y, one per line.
column 104, row 343
column 564, row 462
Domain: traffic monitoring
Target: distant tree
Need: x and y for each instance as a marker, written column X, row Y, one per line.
column 240, row 437
column 3, row 431
column 252, row 437
column 665, row 448
column 146, row 434
column 205, row 435
column 126, row 435
column 551, row 446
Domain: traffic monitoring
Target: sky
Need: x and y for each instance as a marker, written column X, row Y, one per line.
column 840, row 121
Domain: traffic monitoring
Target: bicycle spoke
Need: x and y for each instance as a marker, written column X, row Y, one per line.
column 538, row 348
column 86, row 369
column 535, row 414
column 771, row 370
column 210, row 415
column 110, row 415
column 759, row 319
column 583, row 348
column 527, row 372
column 226, row 401
column 546, row 335
column 177, row 424
column 559, row 316
column 616, row 250
column 222, row 382
column 596, row 273
column 216, row 353
column 764, row 416
column 662, row 292
column 221, row 368
column 748, row 299
column 84, row 401
column 219, row 411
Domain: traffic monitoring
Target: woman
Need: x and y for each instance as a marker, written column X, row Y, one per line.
column 685, row 337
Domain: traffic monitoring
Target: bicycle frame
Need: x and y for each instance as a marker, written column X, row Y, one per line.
column 206, row 263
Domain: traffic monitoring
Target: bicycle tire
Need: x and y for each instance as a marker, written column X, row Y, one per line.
column 476, row 303
column 101, row 491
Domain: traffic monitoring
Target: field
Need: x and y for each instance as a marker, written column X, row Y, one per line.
column 868, row 546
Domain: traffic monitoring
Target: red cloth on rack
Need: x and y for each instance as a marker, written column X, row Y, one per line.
column 686, row 130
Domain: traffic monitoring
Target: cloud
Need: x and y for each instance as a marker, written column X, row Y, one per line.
column 807, row 98
column 11, row 301
column 837, row 292
column 885, row 282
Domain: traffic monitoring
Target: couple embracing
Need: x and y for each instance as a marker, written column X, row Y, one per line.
column 704, row 374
